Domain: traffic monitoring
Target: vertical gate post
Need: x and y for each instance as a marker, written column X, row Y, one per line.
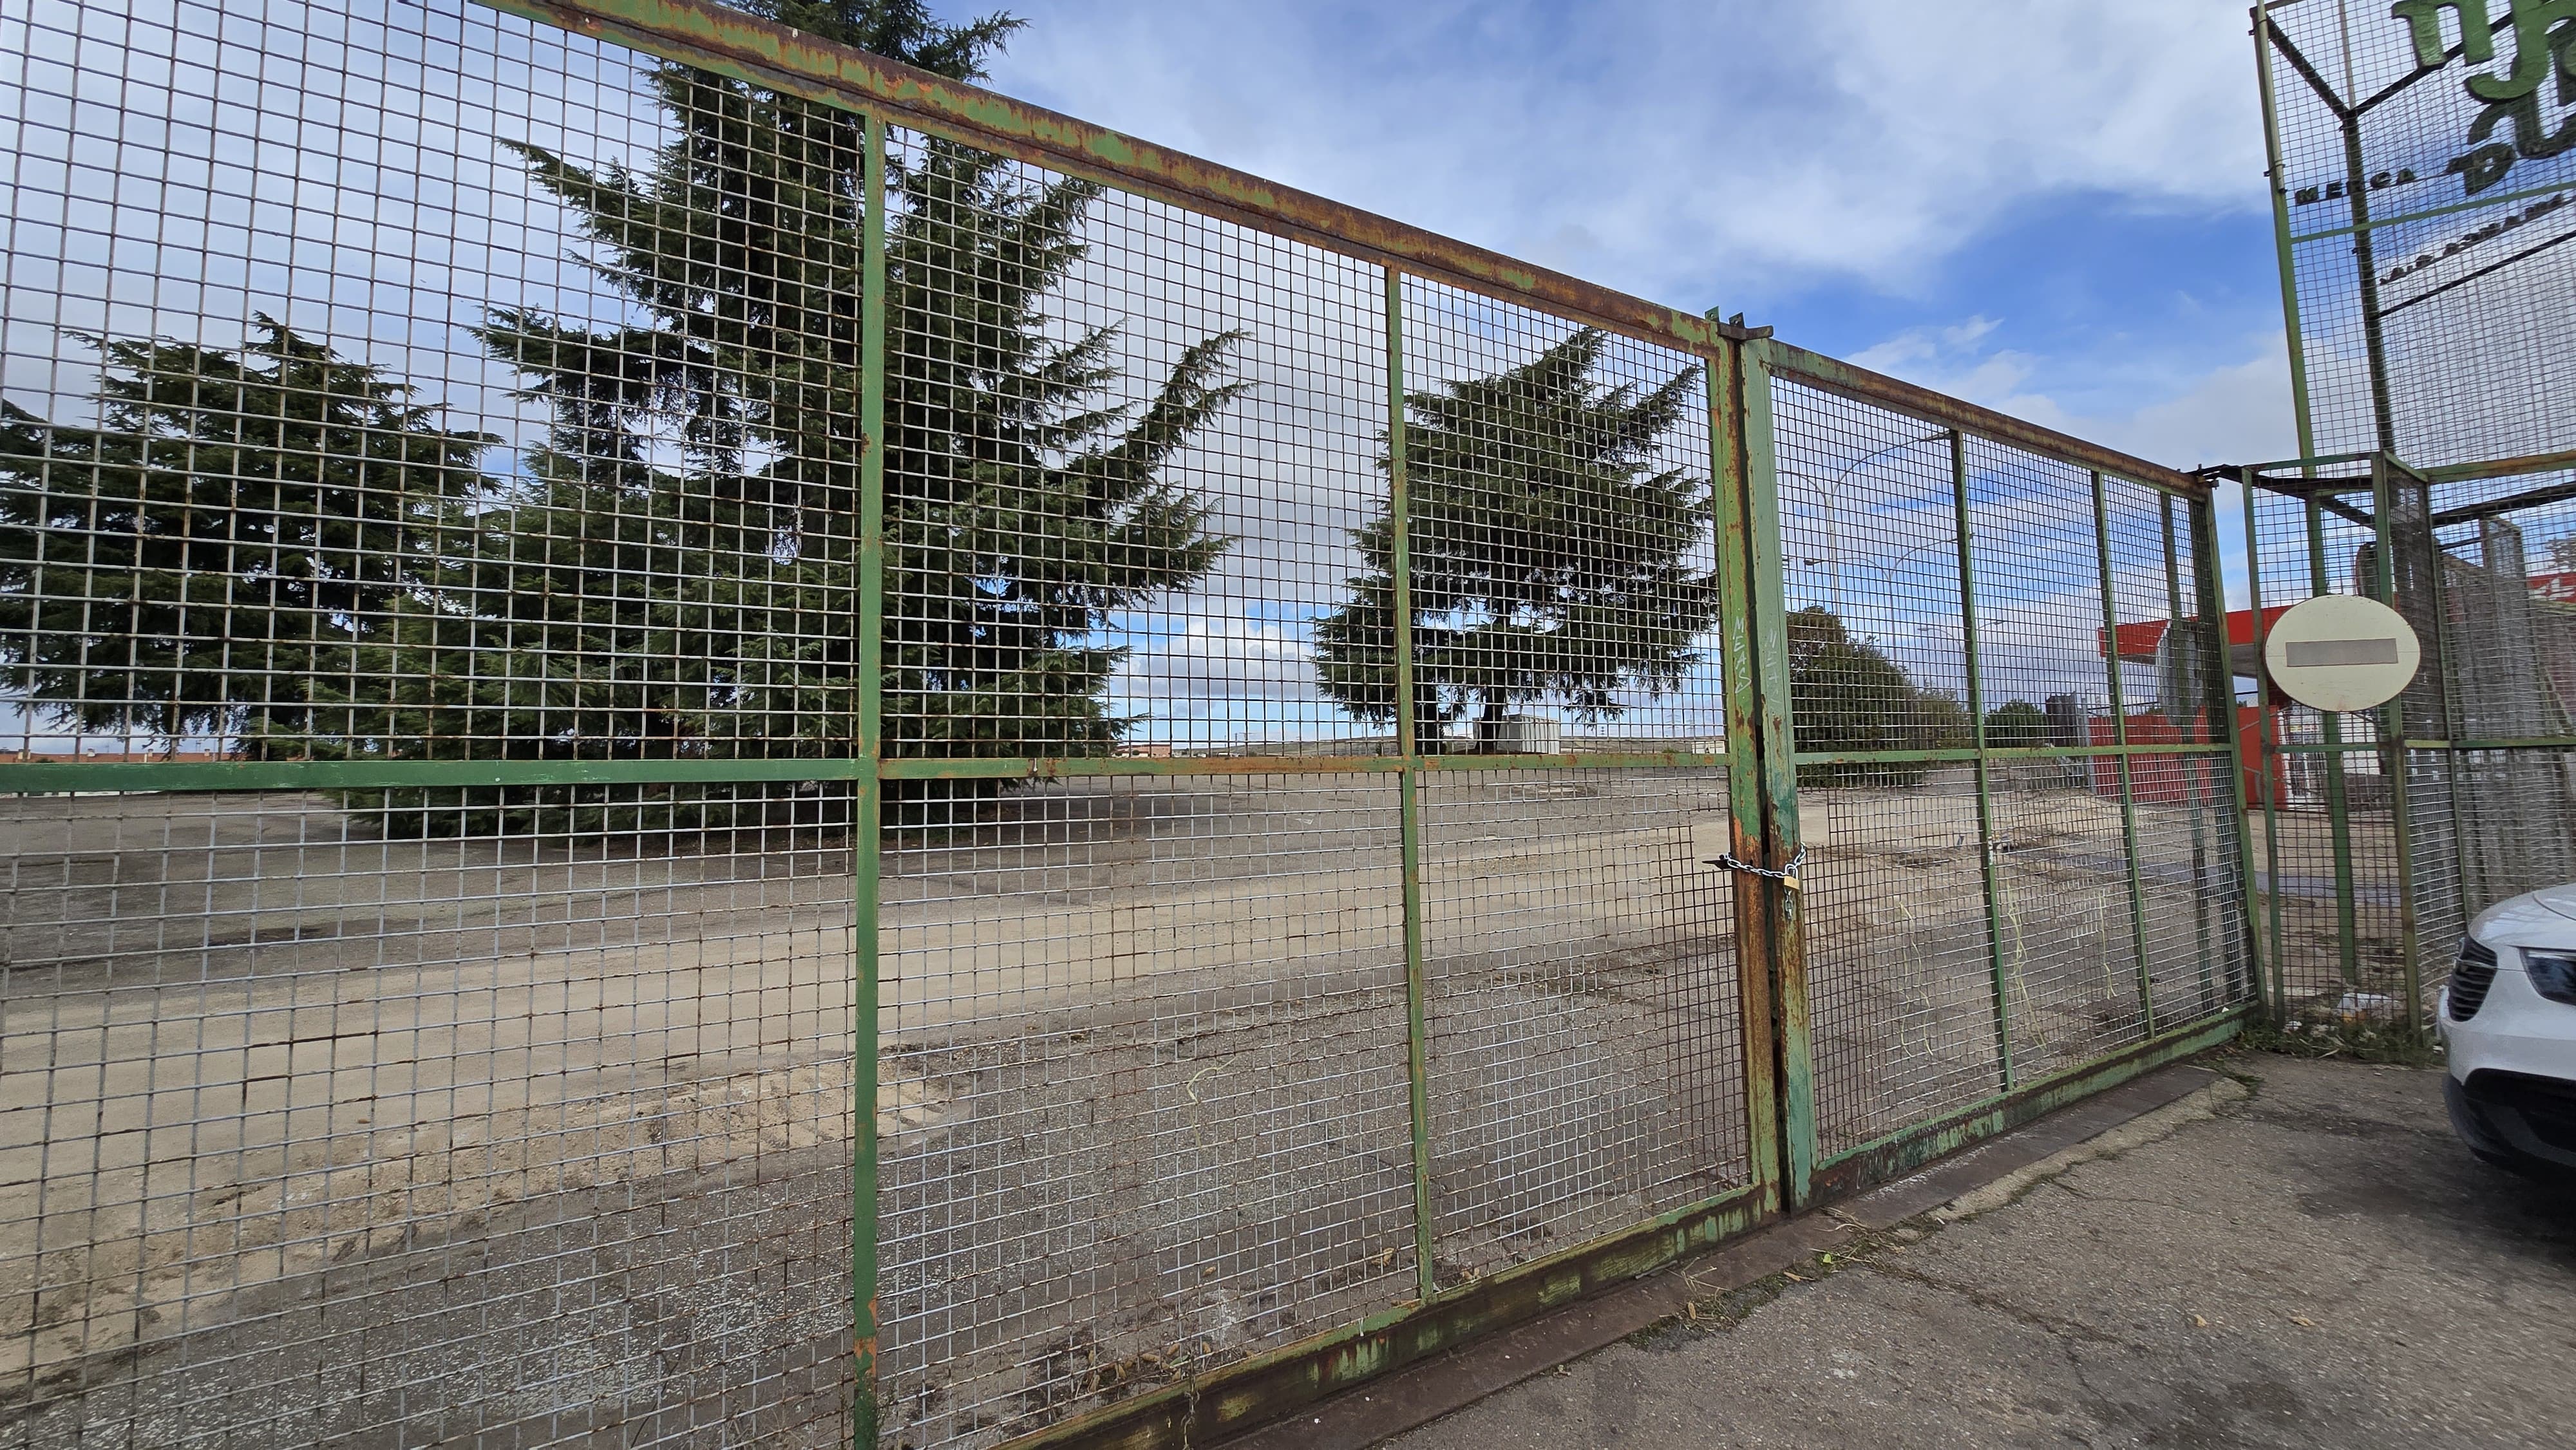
column 1986, row 841
column 2120, row 735
column 2285, row 250
column 2267, row 747
column 1408, row 725
column 2207, row 568
column 2338, row 811
column 1758, row 970
column 2191, row 765
column 2392, row 747
column 1762, row 764
column 867, row 823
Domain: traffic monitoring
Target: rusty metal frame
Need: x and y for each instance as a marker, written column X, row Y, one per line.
column 1844, row 379
column 1763, row 774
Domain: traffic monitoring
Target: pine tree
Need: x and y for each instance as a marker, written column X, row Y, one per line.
column 1850, row 697
column 676, row 578
column 205, row 562
column 2016, row 724
column 1546, row 551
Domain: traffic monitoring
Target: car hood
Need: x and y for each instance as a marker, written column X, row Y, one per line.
column 2543, row 918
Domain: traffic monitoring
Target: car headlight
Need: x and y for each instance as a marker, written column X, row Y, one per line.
column 2553, row 974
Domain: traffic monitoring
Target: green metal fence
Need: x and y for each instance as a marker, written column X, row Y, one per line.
column 721, row 742
column 2419, row 201
column 2385, row 833
column 2012, row 746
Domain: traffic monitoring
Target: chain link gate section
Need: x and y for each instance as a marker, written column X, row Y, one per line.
column 2015, row 761
column 593, row 586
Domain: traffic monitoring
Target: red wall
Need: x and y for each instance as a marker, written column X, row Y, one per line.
column 2162, row 778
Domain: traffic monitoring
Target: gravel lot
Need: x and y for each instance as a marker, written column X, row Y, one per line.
column 437, row 1137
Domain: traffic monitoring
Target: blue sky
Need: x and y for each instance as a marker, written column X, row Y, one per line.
column 2052, row 208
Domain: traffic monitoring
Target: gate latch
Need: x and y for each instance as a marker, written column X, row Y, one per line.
column 1787, row 875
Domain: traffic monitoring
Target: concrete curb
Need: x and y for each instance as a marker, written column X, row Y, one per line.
column 2137, row 1132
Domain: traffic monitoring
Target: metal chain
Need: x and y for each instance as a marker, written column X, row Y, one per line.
column 1785, row 873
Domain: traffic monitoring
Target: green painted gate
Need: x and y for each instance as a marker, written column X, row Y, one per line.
column 719, row 743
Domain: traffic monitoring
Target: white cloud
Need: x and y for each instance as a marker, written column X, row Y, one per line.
column 2235, row 413
column 1923, row 344
column 1221, row 659
column 1657, row 145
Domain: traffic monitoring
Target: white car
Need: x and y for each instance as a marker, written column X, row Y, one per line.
column 2508, row 1019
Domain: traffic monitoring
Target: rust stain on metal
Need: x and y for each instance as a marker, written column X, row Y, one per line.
column 1836, row 376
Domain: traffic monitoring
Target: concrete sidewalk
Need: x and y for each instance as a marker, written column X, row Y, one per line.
column 2319, row 1265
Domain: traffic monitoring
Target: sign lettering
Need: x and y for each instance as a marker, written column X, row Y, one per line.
column 2544, row 46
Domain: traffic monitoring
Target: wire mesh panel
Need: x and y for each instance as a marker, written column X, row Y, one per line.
column 361, row 416
column 2439, row 784
column 1899, row 945
column 2190, row 885
column 2426, row 185
column 2000, row 828
column 1586, row 1057
column 2494, row 815
column 2066, row 942
column 1145, row 1090
column 2508, row 658
column 1900, row 962
column 326, row 1128
column 1163, row 1024
column 1562, row 557
column 1131, row 454
column 371, row 408
column 2333, row 889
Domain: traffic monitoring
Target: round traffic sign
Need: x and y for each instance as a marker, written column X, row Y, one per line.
column 2341, row 652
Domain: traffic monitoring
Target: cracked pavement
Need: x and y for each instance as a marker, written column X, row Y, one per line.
column 2320, row 1264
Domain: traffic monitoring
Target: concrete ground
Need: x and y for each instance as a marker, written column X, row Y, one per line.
column 2318, row 1264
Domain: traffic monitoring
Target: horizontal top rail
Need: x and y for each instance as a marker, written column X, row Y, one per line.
column 718, row 38
column 2268, row 475
column 1836, row 376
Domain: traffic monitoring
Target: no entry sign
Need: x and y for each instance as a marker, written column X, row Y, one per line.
column 2341, row 652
